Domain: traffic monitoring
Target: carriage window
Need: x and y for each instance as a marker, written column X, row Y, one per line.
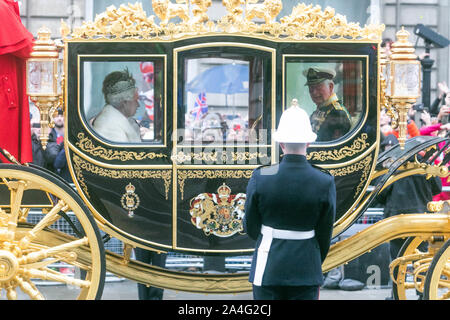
column 330, row 90
column 222, row 98
column 123, row 100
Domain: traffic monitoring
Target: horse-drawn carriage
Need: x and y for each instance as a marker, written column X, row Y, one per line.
column 211, row 94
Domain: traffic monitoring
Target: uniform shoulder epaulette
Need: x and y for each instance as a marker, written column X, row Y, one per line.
column 269, row 168
column 321, row 169
column 338, row 106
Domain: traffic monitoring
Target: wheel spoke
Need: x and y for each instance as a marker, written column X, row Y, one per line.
column 17, row 188
column 41, row 264
column 24, row 214
column 28, row 288
column 11, row 293
column 32, row 249
column 68, row 257
column 445, row 296
column 50, row 218
column 444, row 283
column 45, row 253
column 48, row 274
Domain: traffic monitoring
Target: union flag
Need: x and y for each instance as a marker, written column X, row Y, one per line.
column 200, row 106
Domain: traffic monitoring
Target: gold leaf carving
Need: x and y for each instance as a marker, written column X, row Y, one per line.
column 166, row 10
column 210, row 174
column 268, row 10
column 80, row 164
column 358, row 146
column 127, row 20
column 304, row 22
column 363, row 165
column 86, row 144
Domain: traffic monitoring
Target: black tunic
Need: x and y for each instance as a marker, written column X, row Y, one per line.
column 291, row 196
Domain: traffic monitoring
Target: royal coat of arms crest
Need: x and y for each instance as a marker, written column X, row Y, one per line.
column 220, row 214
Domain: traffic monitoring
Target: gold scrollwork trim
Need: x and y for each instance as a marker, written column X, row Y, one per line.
column 364, row 165
column 210, row 174
column 306, row 22
column 80, row 164
column 86, row 144
column 358, row 146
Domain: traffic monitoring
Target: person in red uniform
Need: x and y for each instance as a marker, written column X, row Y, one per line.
column 16, row 43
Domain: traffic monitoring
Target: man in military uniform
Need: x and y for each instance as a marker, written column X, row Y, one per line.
column 331, row 119
column 289, row 211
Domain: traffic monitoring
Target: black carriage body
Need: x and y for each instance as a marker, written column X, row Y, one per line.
column 153, row 193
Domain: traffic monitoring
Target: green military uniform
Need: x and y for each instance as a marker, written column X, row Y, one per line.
column 331, row 120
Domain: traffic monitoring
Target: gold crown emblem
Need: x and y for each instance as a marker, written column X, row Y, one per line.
column 224, row 191
column 130, row 188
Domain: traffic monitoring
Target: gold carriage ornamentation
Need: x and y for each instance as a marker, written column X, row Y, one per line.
column 130, row 201
column 219, row 214
column 304, row 22
column 180, row 33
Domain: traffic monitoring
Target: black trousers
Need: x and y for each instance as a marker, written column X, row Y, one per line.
column 153, row 258
column 285, row 292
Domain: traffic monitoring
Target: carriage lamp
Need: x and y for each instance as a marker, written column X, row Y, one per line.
column 384, row 97
column 44, row 80
column 403, row 80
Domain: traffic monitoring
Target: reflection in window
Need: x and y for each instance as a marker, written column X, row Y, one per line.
column 222, row 98
column 331, row 91
column 123, row 100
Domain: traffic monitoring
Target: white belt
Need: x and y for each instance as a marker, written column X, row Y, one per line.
column 269, row 233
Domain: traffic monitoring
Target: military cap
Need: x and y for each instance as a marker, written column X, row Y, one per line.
column 315, row 75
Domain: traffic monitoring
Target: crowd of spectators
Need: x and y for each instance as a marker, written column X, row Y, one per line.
column 422, row 122
column 53, row 156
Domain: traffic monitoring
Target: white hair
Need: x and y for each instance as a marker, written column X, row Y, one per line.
column 116, row 99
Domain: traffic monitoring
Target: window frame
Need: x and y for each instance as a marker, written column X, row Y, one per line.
column 81, row 58
column 181, row 52
column 307, row 58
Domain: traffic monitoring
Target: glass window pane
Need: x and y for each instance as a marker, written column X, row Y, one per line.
column 330, row 90
column 223, row 98
column 123, row 100
column 41, row 77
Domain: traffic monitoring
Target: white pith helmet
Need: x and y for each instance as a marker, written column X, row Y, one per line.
column 294, row 127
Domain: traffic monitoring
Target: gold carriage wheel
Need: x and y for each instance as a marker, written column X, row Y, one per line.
column 405, row 278
column 29, row 252
column 437, row 282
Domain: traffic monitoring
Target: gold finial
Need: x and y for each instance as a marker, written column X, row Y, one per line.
column 44, row 34
column 44, row 46
column 64, row 29
column 402, row 35
column 402, row 49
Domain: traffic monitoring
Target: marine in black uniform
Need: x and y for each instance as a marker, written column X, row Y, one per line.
column 289, row 211
column 331, row 119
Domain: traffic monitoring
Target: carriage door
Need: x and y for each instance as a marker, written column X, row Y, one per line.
column 118, row 144
column 224, row 110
